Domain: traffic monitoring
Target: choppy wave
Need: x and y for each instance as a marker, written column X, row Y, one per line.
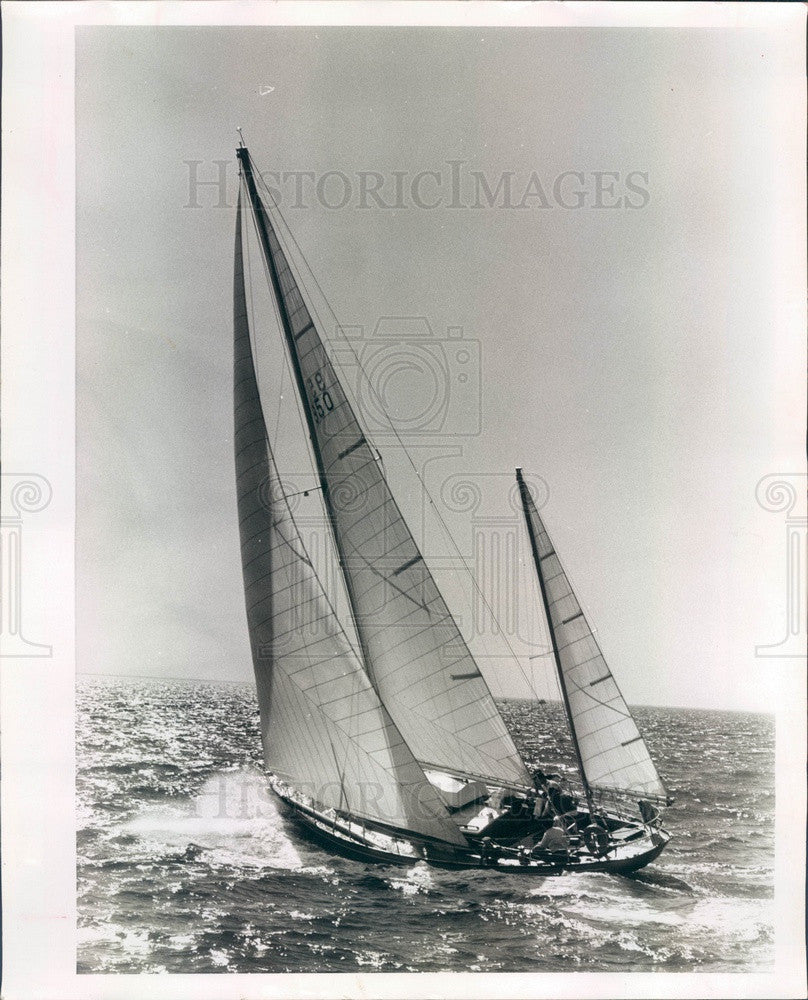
column 186, row 865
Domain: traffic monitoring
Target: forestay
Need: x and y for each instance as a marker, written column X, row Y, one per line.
column 412, row 648
column 323, row 726
column 613, row 754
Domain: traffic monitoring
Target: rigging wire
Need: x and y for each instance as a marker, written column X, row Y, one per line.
column 293, row 264
column 274, row 208
column 271, row 205
column 300, row 286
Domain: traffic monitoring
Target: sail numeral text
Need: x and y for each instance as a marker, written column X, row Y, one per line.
column 319, row 397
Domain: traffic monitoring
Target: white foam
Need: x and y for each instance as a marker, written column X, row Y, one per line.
column 741, row 920
column 417, row 879
column 233, row 820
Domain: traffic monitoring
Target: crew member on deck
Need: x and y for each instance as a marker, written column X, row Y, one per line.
column 488, row 852
column 495, row 798
column 649, row 813
column 541, row 807
column 555, row 840
column 568, row 807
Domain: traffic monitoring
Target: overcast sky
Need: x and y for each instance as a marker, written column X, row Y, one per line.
column 642, row 360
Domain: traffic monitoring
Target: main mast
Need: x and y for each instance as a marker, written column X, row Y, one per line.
column 409, row 643
column 260, row 221
column 526, row 500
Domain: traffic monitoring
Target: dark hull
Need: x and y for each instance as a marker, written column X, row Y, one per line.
column 318, row 829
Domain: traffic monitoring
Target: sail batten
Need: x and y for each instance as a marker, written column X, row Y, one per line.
column 323, row 726
column 409, row 641
column 612, row 753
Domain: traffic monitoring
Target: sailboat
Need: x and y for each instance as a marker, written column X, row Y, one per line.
column 382, row 740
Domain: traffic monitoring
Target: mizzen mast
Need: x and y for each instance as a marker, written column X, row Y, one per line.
column 527, row 501
column 612, row 755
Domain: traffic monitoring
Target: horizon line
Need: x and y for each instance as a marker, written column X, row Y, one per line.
column 251, row 682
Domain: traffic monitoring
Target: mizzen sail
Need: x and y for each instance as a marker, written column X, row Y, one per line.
column 411, row 646
column 323, row 726
column 612, row 753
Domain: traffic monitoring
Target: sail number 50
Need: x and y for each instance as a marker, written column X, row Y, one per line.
column 319, row 397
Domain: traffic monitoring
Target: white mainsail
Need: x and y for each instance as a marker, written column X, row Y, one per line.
column 412, row 648
column 612, row 753
column 323, row 727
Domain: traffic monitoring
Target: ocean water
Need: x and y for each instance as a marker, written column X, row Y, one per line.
column 184, row 864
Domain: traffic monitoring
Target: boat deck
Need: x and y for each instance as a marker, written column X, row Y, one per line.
column 631, row 845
